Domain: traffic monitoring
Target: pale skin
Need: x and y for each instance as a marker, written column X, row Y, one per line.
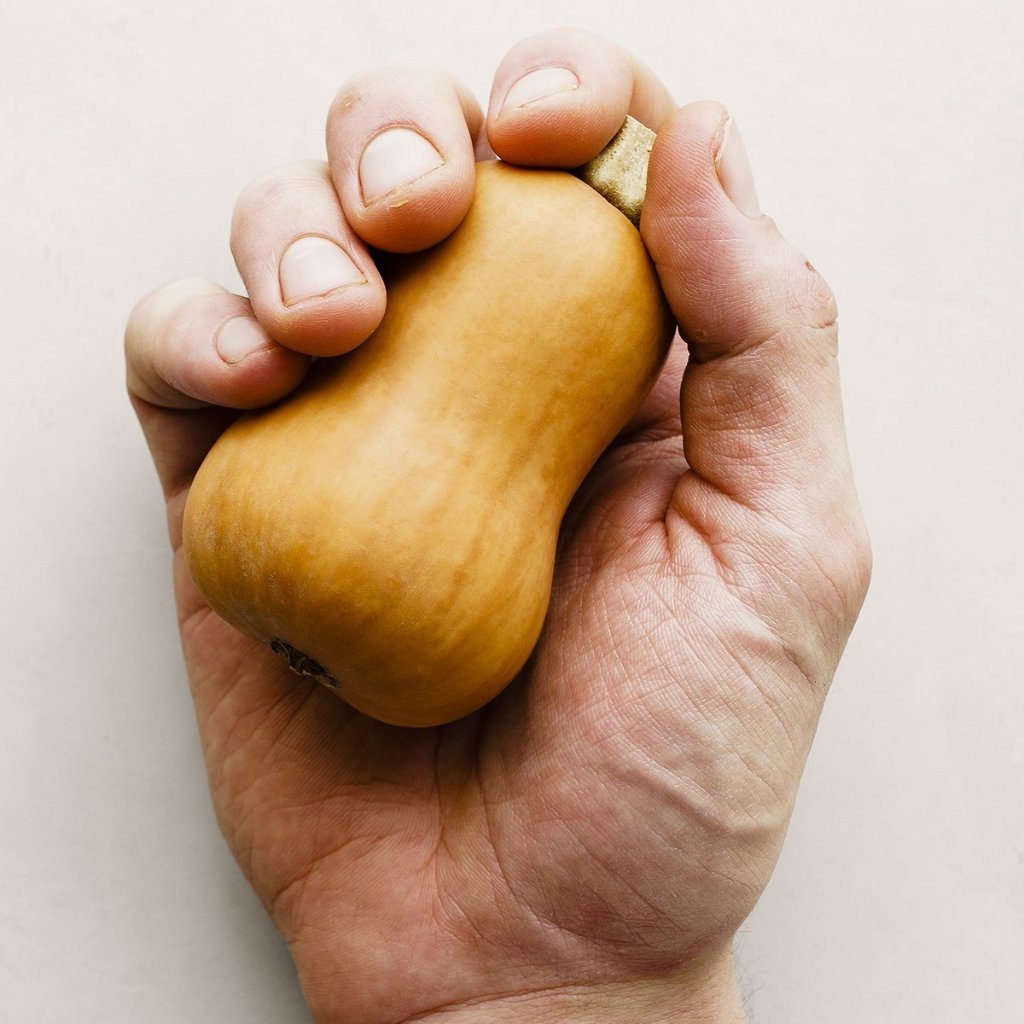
column 585, row 847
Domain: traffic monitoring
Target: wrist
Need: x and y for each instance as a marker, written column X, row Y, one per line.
column 707, row 996
column 627, row 1004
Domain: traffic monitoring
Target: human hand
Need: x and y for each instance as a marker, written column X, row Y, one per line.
column 586, row 846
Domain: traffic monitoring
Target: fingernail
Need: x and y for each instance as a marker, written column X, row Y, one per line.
column 240, row 337
column 734, row 172
column 538, row 85
column 392, row 158
column 313, row 266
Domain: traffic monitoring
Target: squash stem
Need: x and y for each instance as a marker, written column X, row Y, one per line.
column 619, row 171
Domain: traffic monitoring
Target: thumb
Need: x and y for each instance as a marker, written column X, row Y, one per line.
column 761, row 411
column 762, row 419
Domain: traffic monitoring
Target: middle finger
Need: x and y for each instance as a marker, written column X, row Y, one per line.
column 400, row 142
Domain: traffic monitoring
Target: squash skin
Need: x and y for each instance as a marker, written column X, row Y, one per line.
column 392, row 525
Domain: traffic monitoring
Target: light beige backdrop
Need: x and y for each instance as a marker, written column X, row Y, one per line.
column 886, row 138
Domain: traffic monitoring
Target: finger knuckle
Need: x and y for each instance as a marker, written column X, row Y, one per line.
column 281, row 186
column 151, row 312
column 389, row 77
column 810, row 296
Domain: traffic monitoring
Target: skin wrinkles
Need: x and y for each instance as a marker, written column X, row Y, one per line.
column 585, row 847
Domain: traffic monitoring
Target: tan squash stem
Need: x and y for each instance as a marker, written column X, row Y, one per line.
column 619, row 171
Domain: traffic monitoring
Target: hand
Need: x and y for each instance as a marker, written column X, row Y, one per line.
column 586, row 846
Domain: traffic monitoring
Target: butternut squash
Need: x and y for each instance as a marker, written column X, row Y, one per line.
column 391, row 528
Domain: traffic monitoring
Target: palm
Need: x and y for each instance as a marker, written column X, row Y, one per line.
column 590, row 809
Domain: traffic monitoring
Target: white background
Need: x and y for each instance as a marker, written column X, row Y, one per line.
column 887, row 138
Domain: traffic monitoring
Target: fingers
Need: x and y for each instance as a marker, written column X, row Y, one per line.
column 191, row 345
column 312, row 283
column 560, row 96
column 400, row 141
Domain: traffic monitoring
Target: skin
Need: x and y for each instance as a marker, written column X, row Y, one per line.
column 586, row 846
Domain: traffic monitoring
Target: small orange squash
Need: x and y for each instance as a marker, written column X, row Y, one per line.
column 391, row 527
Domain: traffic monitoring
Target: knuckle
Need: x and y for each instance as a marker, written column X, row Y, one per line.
column 386, row 78
column 789, row 284
column 808, row 294
column 135, row 324
column 819, row 300
column 278, row 187
column 564, row 40
column 150, row 315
